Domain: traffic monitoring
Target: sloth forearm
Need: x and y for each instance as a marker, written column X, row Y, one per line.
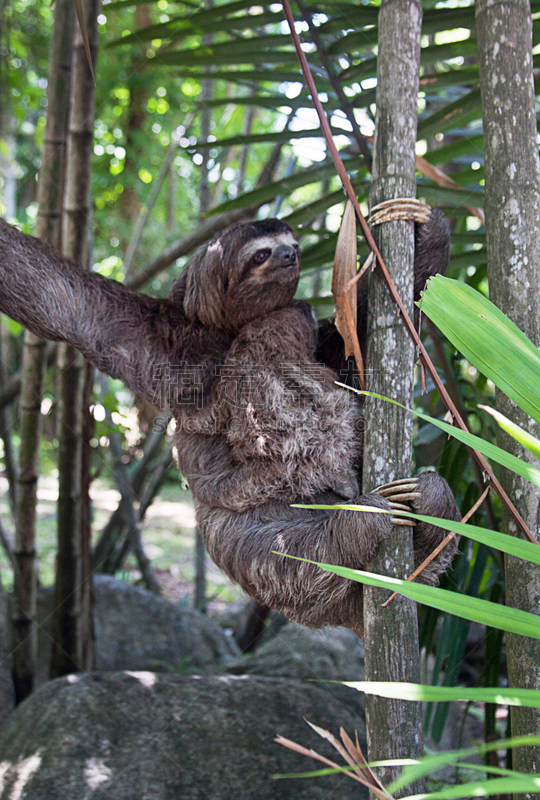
column 246, row 487
column 40, row 289
column 121, row 332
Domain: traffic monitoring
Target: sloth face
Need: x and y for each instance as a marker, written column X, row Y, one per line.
column 269, row 259
column 243, row 274
column 264, row 276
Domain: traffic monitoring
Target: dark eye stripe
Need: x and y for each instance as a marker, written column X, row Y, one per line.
column 254, row 263
column 261, row 256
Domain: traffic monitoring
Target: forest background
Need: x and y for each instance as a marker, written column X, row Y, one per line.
column 201, row 119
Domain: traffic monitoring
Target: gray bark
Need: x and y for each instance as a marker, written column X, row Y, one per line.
column 6, row 419
column 391, row 634
column 49, row 198
column 72, row 619
column 513, row 244
column 199, row 592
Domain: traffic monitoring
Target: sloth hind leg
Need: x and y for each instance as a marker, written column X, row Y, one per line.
column 251, row 547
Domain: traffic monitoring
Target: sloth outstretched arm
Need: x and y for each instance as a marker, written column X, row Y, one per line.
column 128, row 335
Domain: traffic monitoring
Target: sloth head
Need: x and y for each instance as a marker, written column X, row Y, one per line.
column 242, row 274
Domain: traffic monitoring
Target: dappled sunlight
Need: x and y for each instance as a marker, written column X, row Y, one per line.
column 23, row 771
column 96, row 772
column 181, row 513
column 147, row 679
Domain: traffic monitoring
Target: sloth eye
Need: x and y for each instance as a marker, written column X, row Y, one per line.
column 261, row 256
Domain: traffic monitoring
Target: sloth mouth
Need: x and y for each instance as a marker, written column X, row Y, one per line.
column 289, row 265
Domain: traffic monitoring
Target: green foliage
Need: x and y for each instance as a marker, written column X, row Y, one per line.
column 150, row 70
column 488, row 339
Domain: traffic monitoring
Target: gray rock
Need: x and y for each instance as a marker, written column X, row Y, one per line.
column 302, row 654
column 147, row 736
column 7, row 694
column 334, row 654
column 137, row 630
column 234, row 616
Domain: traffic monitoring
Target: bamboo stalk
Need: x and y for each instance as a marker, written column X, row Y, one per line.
column 72, row 617
column 23, row 607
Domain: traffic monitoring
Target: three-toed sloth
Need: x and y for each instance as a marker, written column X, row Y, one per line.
column 260, row 423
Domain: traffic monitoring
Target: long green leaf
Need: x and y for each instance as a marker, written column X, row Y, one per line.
column 467, row 177
column 250, row 76
column 178, row 28
column 433, row 22
column 529, row 698
column 487, row 788
column 433, row 54
column 310, row 211
column 486, row 448
column 129, row 3
column 521, row 548
column 519, row 434
column 259, row 138
column 446, row 195
column 264, row 101
column 487, row 338
column 469, row 237
column 395, row 762
column 364, row 99
column 452, row 77
column 512, row 620
column 469, row 258
column 440, row 19
column 208, row 57
column 431, row 764
column 468, row 146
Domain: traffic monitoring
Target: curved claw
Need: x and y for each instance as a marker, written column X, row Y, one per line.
column 391, row 491
column 400, row 494
column 401, row 522
column 407, row 208
column 399, row 482
column 399, row 506
column 401, row 491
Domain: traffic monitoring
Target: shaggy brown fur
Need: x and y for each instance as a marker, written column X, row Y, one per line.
column 260, row 424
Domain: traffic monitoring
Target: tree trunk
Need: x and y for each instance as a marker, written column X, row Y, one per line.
column 199, row 590
column 391, row 634
column 6, row 419
column 50, row 194
column 513, row 247
column 72, row 650
column 137, row 113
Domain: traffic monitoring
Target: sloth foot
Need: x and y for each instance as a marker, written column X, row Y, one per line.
column 400, row 494
column 407, row 208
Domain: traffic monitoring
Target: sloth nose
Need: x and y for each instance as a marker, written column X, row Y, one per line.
column 285, row 253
